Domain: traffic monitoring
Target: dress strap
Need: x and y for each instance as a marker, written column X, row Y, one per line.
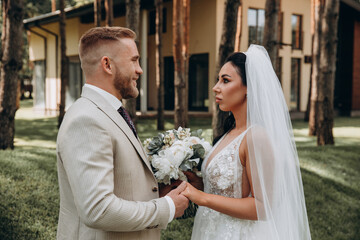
column 241, row 137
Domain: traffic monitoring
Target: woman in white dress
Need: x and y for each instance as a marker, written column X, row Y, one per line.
column 252, row 181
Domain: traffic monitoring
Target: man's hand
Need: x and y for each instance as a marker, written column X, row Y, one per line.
column 180, row 201
column 194, row 180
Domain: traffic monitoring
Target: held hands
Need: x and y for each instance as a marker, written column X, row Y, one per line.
column 180, row 201
column 194, row 195
column 181, row 192
column 193, row 179
column 192, row 188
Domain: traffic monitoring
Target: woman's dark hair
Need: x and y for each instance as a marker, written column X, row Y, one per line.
column 238, row 60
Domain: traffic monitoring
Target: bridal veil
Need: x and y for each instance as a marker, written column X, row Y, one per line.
column 275, row 169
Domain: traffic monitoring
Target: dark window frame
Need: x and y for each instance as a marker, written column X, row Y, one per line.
column 298, row 93
column 152, row 18
column 297, row 43
column 169, row 94
column 257, row 40
column 279, row 69
column 192, row 64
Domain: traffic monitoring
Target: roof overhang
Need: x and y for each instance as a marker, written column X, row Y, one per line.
column 352, row 3
column 55, row 16
column 80, row 11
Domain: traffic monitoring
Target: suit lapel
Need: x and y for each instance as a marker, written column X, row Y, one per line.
column 105, row 107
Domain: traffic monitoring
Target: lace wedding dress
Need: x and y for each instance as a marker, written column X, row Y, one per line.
column 274, row 165
column 222, row 176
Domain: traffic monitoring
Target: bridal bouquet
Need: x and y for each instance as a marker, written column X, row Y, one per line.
column 175, row 151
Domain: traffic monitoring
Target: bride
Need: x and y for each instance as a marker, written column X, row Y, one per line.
column 252, row 181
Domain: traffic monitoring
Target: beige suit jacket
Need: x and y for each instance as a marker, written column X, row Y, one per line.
column 107, row 189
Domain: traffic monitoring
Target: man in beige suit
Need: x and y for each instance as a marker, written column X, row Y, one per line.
column 107, row 189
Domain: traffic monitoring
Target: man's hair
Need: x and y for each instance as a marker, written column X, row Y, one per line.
column 100, row 35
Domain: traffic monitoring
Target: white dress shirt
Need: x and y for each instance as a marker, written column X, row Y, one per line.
column 116, row 104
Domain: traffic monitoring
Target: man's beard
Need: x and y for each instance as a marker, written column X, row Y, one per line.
column 125, row 86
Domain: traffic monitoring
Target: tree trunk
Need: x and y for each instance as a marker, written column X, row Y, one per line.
column 97, row 13
column 327, row 68
column 225, row 49
column 53, row 5
column 64, row 63
column 315, row 29
column 109, row 12
column 238, row 30
column 271, row 41
column 181, row 26
column 159, row 64
column 132, row 22
column 307, row 113
column 11, row 64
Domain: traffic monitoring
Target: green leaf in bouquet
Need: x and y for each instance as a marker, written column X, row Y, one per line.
column 199, row 151
column 197, row 133
column 156, row 144
column 189, row 164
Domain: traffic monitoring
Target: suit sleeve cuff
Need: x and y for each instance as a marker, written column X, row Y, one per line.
column 171, row 207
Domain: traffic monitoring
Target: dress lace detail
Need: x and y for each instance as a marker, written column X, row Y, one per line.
column 222, row 176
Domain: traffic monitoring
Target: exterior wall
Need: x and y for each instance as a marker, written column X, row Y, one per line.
column 203, row 33
column 36, row 52
column 167, row 51
column 36, row 47
column 303, row 8
column 51, row 80
column 288, row 7
column 72, row 36
column 202, row 40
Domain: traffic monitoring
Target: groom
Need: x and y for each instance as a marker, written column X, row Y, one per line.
column 107, row 189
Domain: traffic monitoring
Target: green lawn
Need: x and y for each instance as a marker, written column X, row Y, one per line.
column 29, row 190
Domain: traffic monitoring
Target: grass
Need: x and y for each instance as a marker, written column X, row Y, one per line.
column 29, row 196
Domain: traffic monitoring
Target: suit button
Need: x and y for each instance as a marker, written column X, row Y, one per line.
column 155, row 189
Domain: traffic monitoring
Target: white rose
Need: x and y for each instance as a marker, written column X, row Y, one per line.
column 207, row 146
column 178, row 152
column 160, row 163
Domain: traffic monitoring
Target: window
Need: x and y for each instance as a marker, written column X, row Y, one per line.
column 169, row 83
column 199, row 82
column 73, row 90
column 38, row 82
column 296, row 31
column 295, row 84
column 280, row 29
column 256, row 22
column 279, row 68
column 152, row 25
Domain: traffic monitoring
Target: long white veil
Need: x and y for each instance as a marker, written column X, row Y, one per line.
column 275, row 169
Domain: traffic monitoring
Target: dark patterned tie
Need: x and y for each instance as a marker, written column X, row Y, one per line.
column 127, row 119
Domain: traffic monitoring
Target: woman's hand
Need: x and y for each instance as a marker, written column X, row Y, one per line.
column 194, row 180
column 194, row 195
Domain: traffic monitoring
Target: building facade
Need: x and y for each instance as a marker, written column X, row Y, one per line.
column 206, row 18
